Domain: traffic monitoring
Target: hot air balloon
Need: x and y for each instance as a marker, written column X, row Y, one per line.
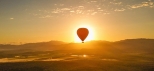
column 82, row 33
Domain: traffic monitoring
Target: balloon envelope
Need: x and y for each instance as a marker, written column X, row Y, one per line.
column 82, row 33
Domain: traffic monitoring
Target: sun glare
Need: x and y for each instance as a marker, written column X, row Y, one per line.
column 84, row 55
column 90, row 35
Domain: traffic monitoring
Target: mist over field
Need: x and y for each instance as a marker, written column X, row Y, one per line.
column 124, row 55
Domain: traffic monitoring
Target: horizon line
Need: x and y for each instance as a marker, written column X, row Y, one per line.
column 22, row 43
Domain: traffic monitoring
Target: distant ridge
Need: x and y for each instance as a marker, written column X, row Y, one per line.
column 127, row 44
column 54, row 42
column 137, row 39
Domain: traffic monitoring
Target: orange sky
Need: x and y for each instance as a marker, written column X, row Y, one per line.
column 44, row 20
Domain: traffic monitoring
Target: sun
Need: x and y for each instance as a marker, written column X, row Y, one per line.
column 90, row 35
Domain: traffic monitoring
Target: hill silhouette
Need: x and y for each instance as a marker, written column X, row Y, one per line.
column 124, row 55
column 105, row 48
column 140, row 44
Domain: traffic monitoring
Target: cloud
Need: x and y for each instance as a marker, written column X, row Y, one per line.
column 11, row 18
column 120, row 9
column 47, row 16
column 143, row 4
column 94, row 13
column 92, row 7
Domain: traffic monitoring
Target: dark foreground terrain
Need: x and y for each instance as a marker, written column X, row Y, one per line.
column 125, row 55
column 78, row 65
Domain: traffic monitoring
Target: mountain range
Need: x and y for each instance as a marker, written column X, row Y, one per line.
column 127, row 45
